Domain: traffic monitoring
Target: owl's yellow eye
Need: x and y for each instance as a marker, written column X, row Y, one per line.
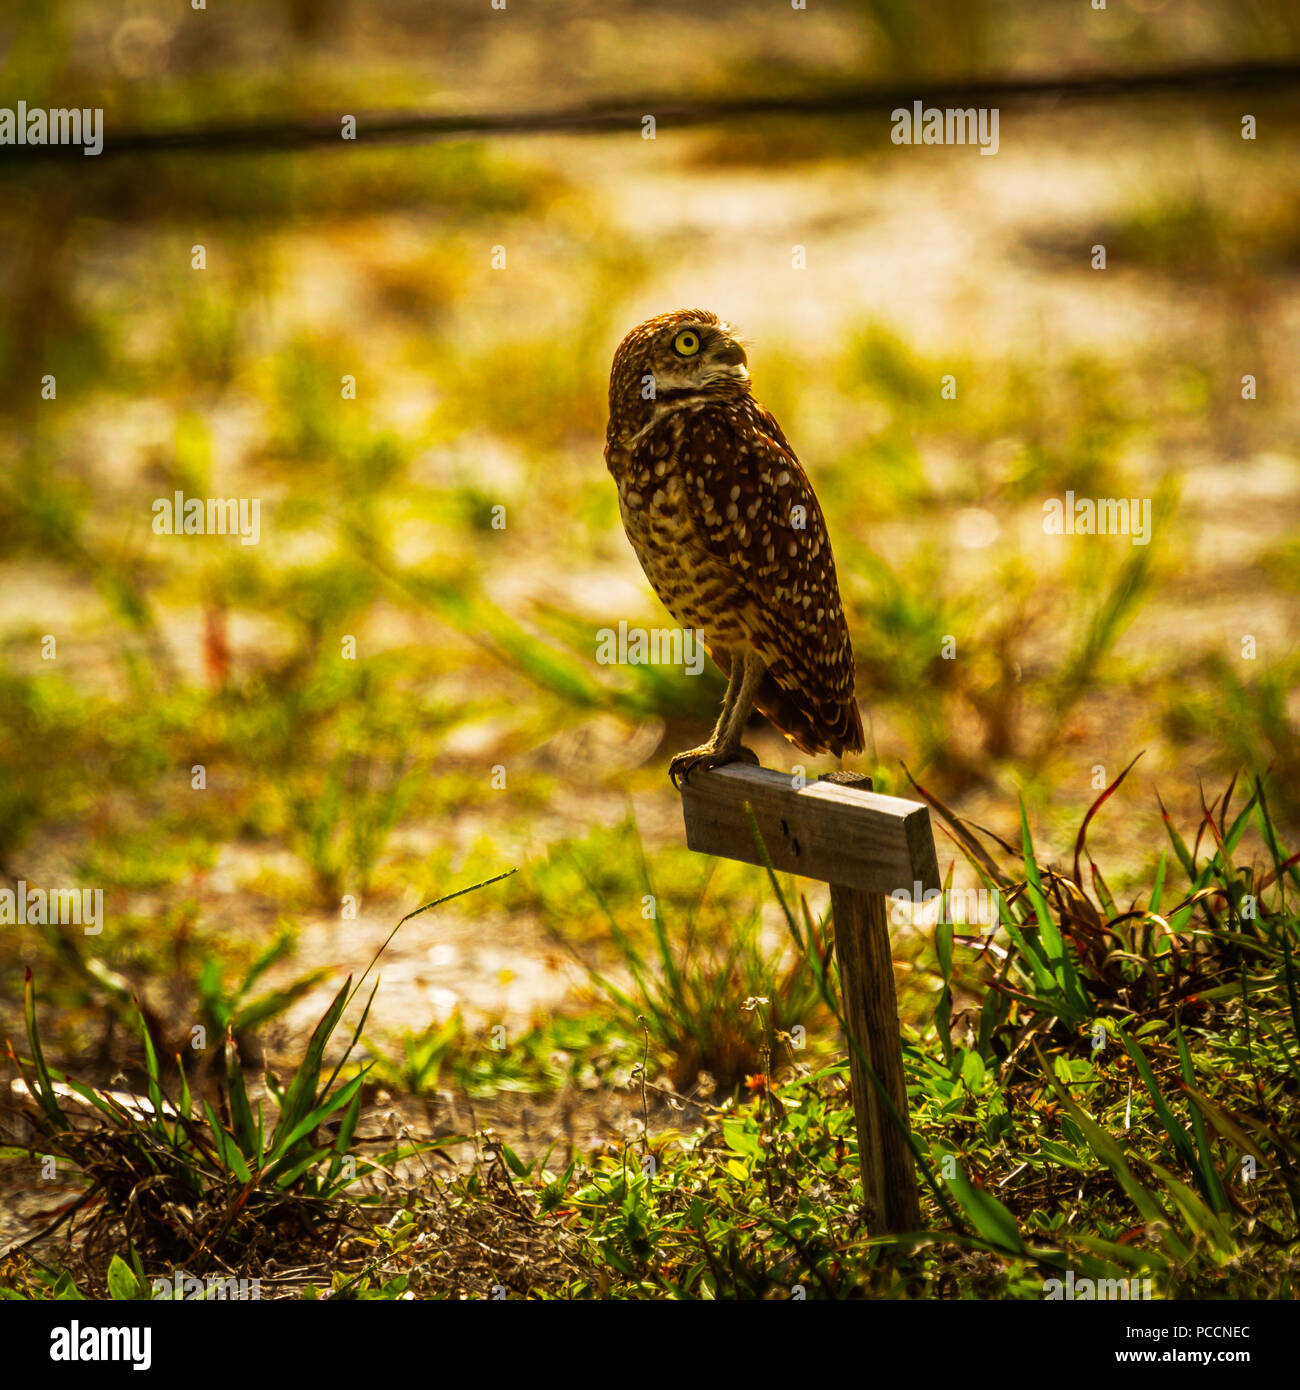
column 686, row 343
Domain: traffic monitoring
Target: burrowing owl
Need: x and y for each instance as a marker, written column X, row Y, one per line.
column 725, row 524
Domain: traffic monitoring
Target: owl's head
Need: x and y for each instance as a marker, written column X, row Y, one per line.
column 689, row 354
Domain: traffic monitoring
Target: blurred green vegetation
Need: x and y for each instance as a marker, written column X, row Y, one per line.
column 392, row 692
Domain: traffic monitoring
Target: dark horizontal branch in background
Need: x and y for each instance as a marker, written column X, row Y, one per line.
column 609, row 117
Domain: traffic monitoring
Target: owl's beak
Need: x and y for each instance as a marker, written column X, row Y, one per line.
column 729, row 355
column 732, row 354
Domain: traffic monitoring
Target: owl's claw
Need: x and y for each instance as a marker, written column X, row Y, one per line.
column 706, row 756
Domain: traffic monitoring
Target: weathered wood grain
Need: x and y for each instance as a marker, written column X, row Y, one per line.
column 871, row 1013
column 839, row 834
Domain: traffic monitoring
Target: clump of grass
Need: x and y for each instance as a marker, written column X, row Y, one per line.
column 584, row 1052
column 232, row 1009
column 696, row 990
column 194, row 1182
column 186, row 1186
column 1026, row 426
column 1249, row 718
column 960, row 658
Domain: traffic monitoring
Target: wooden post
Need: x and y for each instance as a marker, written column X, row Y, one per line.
column 865, row 846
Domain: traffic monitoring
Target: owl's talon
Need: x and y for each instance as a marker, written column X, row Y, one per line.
column 706, row 756
column 683, row 764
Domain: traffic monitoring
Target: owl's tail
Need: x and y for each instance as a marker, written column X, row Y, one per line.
column 813, row 722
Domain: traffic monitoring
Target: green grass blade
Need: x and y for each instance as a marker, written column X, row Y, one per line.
column 45, row 1088
column 1207, row 1174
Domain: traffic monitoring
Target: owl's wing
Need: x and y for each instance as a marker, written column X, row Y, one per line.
column 754, row 510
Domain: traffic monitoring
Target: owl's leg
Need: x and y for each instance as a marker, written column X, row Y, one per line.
column 731, row 727
column 725, row 745
column 734, row 681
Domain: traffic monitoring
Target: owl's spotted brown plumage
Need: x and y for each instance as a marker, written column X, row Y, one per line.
column 726, row 526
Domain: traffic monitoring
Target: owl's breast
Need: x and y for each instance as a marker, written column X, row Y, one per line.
column 658, row 508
